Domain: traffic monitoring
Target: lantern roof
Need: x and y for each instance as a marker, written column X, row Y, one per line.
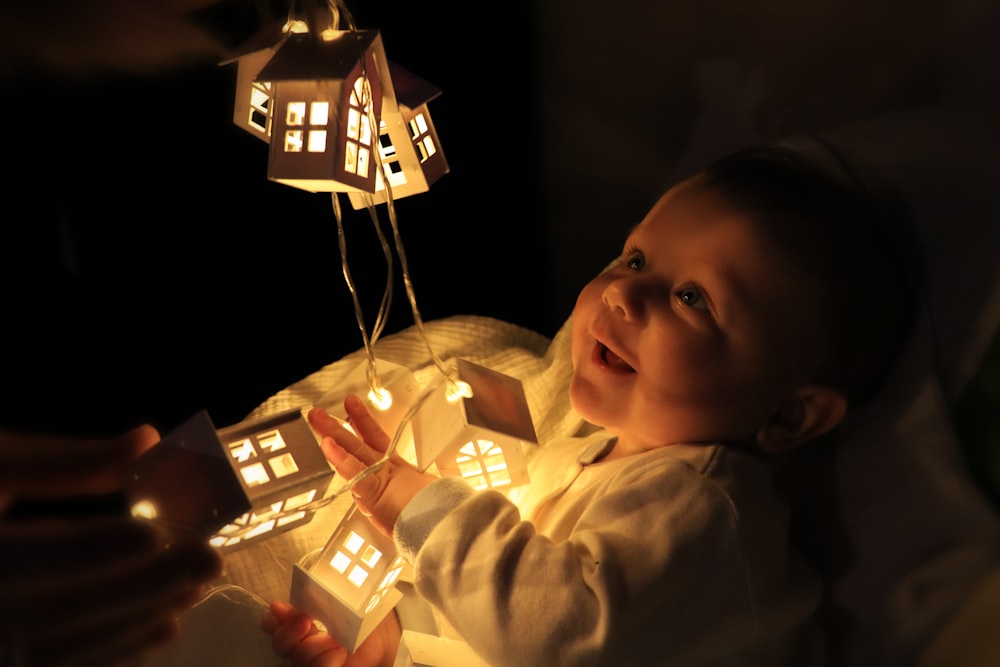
column 410, row 89
column 303, row 57
column 270, row 35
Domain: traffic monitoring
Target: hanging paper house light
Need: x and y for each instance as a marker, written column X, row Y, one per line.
column 477, row 432
column 412, row 159
column 326, row 93
column 254, row 479
column 351, row 585
column 399, row 391
column 253, row 98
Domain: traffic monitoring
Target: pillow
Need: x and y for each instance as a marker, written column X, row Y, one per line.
column 905, row 535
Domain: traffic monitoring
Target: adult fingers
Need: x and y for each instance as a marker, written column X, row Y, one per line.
column 168, row 579
column 34, row 464
column 40, row 548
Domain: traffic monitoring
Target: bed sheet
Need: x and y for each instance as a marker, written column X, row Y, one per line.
column 222, row 630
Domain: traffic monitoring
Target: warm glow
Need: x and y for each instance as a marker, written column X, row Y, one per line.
column 254, row 474
column 381, row 398
column 271, row 441
column 357, row 576
column 457, row 390
column 144, row 510
column 283, row 465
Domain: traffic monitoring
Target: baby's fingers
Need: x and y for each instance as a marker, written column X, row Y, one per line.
column 365, row 424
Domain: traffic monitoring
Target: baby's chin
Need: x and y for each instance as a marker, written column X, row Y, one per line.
column 586, row 404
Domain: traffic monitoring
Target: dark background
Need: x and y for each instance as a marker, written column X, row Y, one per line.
column 150, row 269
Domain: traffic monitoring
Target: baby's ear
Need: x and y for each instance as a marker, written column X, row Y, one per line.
column 810, row 412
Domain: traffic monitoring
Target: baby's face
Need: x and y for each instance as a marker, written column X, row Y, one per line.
column 695, row 335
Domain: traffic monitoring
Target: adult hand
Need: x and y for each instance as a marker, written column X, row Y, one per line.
column 91, row 591
column 382, row 494
column 295, row 636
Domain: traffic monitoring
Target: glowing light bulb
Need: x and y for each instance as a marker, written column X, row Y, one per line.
column 457, row 390
column 381, row 398
column 144, row 509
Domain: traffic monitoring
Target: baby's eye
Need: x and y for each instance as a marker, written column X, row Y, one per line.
column 634, row 260
column 692, row 296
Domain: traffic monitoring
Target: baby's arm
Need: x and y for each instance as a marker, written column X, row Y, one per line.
column 653, row 560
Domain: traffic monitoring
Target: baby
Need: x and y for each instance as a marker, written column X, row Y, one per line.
column 754, row 305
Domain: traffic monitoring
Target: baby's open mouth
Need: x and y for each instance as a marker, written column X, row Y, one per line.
column 612, row 360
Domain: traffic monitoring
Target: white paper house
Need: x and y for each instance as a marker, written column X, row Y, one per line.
column 351, row 585
column 412, row 159
column 283, row 471
column 245, row 482
column 253, row 98
column 479, row 437
column 327, row 96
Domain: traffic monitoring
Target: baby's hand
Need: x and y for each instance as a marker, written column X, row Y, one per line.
column 295, row 636
column 383, row 494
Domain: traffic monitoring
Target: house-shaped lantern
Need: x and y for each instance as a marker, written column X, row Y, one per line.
column 412, row 159
column 253, row 97
column 327, row 96
column 389, row 407
column 248, row 481
column 478, row 432
column 351, row 585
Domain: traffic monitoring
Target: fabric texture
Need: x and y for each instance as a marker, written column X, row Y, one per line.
column 677, row 556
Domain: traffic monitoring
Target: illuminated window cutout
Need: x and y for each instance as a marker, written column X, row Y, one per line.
column 353, row 124
column 363, row 157
column 391, row 576
column 370, row 556
column 290, row 518
column 271, row 441
column 293, row 141
column 319, row 113
column 254, row 474
column 351, row 157
column 242, row 451
column 317, row 141
column 266, row 514
column 385, row 141
column 300, row 499
column 397, row 177
column 283, row 465
column 340, row 562
column 418, row 125
column 494, row 460
column 427, row 148
column 483, row 470
column 295, row 113
column 265, row 527
column 354, row 542
column 357, row 576
column 260, row 101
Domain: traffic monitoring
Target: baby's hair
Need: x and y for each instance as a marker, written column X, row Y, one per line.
column 854, row 240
